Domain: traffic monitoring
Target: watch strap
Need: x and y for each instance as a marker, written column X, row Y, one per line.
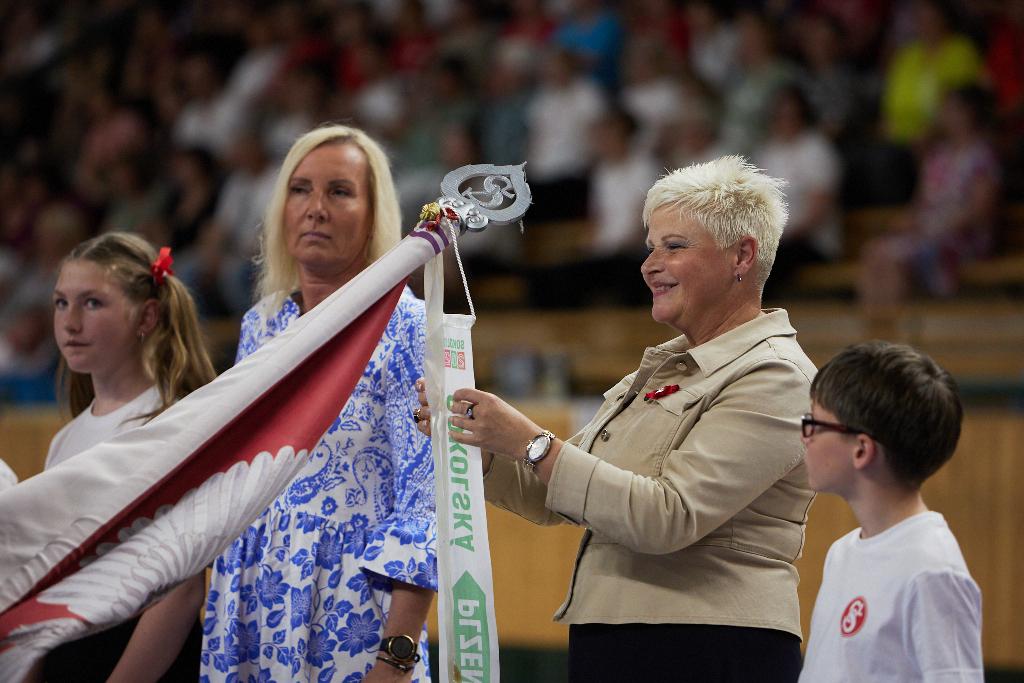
column 391, row 661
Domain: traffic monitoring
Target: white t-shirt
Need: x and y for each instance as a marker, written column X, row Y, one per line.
column 240, row 208
column 809, row 164
column 210, row 124
column 252, row 74
column 899, row 606
column 655, row 105
column 618, row 191
column 560, row 121
column 380, row 104
column 713, row 55
column 87, row 430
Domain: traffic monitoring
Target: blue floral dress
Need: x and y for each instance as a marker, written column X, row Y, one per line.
column 303, row 594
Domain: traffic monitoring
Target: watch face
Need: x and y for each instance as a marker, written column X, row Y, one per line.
column 538, row 447
column 402, row 647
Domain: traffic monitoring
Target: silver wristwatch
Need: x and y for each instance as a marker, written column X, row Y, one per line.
column 537, row 449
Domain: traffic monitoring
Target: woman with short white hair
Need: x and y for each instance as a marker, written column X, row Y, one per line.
column 690, row 479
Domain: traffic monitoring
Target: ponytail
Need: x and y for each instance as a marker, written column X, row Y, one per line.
column 174, row 354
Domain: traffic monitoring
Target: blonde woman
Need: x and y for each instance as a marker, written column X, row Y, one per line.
column 334, row 580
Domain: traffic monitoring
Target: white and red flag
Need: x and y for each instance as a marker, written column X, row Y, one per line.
column 90, row 543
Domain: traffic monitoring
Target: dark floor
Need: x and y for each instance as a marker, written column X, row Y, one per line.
column 522, row 665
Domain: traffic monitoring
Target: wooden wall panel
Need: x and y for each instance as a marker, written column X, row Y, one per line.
column 25, row 438
column 531, row 567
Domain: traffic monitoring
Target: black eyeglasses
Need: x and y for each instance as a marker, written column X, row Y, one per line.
column 809, row 427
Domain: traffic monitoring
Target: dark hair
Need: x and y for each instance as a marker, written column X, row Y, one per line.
column 978, row 102
column 946, row 9
column 833, row 23
column 202, row 158
column 901, row 397
column 797, row 96
column 621, row 118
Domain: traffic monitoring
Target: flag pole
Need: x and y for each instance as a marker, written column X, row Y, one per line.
column 474, row 197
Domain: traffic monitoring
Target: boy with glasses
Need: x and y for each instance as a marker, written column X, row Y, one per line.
column 896, row 602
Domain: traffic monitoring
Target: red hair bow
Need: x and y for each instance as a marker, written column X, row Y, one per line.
column 161, row 267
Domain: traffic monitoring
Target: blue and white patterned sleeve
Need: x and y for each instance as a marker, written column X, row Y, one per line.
column 403, row 546
column 261, row 323
column 248, row 336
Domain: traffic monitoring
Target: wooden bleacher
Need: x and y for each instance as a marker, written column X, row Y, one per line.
column 976, row 340
column 1006, row 270
column 545, row 245
column 1002, row 271
column 859, row 227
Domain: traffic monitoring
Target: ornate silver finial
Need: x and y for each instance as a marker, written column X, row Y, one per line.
column 485, row 193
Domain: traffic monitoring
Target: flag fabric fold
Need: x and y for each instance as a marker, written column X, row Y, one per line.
column 91, row 542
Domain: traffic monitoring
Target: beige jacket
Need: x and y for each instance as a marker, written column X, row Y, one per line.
column 694, row 503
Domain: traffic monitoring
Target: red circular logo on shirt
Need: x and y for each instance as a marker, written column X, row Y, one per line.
column 853, row 617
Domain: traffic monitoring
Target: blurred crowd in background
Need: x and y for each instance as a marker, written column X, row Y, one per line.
column 170, row 118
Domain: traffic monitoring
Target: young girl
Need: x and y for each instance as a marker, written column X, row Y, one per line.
column 130, row 347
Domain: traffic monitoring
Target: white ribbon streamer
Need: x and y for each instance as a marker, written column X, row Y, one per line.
column 466, row 624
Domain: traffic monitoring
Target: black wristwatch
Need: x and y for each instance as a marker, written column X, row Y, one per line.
column 402, row 649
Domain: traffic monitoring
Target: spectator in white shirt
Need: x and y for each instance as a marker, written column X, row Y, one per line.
column 210, row 117
column 560, row 115
column 714, row 44
column 619, row 182
column 220, row 267
column 807, row 160
column 651, row 94
column 622, row 174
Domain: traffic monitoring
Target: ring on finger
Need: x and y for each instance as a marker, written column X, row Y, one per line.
column 469, row 410
column 416, row 415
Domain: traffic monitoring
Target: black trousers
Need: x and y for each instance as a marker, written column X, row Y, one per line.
column 651, row 653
